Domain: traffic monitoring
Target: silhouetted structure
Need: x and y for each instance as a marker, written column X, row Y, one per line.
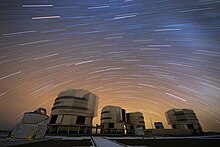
column 72, row 112
column 184, row 119
column 158, row 125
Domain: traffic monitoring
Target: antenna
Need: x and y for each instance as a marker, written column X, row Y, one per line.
column 151, row 123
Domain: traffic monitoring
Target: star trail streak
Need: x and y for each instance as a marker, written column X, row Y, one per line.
column 142, row 55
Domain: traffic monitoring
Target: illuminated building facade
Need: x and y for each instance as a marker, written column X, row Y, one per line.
column 184, row 119
column 32, row 126
column 135, row 121
column 113, row 120
column 73, row 112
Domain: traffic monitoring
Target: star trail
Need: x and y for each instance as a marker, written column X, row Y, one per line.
column 142, row 55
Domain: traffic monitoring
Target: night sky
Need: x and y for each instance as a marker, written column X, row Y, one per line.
column 143, row 55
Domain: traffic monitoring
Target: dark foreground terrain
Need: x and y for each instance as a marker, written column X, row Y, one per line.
column 132, row 142
column 59, row 143
column 171, row 142
column 102, row 141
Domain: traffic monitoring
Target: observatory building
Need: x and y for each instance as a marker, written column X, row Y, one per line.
column 135, row 122
column 73, row 112
column 33, row 125
column 184, row 119
column 113, row 120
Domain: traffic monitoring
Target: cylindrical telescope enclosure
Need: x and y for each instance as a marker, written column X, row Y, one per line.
column 73, row 111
